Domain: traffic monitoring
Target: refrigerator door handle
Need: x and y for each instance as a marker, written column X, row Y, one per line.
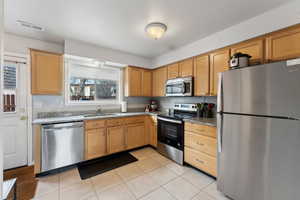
column 220, row 131
column 220, row 94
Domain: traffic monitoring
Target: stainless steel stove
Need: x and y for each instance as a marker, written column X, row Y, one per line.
column 171, row 131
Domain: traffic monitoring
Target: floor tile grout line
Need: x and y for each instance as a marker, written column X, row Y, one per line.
column 169, row 193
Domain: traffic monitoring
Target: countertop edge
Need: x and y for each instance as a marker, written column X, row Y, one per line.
column 82, row 118
column 202, row 121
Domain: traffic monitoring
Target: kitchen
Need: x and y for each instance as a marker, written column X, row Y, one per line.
column 214, row 117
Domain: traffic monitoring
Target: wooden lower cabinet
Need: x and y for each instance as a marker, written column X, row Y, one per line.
column 201, row 143
column 201, row 160
column 151, row 130
column 135, row 135
column 95, row 143
column 200, row 147
column 116, row 139
column 108, row 136
column 153, row 134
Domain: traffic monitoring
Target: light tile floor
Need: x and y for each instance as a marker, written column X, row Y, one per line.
column 153, row 177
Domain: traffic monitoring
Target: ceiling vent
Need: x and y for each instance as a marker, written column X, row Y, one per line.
column 30, row 25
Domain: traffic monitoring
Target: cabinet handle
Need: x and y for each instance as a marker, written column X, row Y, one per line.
column 200, row 161
column 201, row 144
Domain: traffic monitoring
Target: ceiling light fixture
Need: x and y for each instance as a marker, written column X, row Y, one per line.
column 30, row 25
column 156, row 30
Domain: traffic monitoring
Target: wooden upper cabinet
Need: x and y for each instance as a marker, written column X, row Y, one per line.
column 146, row 83
column 255, row 48
column 201, row 75
column 95, row 143
column 173, row 71
column 137, row 81
column 46, row 72
column 218, row 63
column 186, row 67
column 159, row 80
column 135, row 135
column 283, row 45
column 116, row 139
column 133, row 80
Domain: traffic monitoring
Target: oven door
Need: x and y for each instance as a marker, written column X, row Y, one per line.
column 170, row 132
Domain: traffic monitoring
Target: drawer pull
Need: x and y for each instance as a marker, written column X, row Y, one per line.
column 201, row 144
column 200, row 161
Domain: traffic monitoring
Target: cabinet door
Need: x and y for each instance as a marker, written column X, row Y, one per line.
column 159, row 81
column 155, row 82
column 153, row 134
column 255, row 48
column 283, row 45
column 186, row 67
column 116, row 139
column 133, row 81
column 46, row 73
column 162, row 81
column 201, row 75
column 218, row 63
column 95, row 143
column 135, row 136
column 146, row 83
column 173, row 71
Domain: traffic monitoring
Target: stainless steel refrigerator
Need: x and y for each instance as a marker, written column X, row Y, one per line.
column 259, row 132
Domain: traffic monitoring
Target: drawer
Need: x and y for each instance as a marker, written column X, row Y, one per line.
column 201, row 129
column 201, row 143
column 201, row 161
column 134, row 120
column 93, row 124
column 115, row 122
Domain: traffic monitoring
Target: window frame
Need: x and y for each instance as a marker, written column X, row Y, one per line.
column 89, row 63
column 3, row 89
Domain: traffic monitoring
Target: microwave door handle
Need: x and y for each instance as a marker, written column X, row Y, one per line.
column 183, row 88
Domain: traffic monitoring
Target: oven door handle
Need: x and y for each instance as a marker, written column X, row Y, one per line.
column 170, row 120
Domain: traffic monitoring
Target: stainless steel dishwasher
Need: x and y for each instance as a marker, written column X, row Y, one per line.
column 62, row 145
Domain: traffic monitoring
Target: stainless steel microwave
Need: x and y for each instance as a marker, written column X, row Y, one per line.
column 179, row 87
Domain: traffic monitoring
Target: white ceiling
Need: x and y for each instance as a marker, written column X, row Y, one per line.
column 119, row 24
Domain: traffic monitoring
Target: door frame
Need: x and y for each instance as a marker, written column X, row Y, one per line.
column 25, row 59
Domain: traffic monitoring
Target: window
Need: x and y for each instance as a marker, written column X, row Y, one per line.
column 9, row 87
column 92, row 84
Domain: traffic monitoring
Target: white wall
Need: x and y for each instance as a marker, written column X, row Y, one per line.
column 82, row 49
column 19, row 44
column 278, row 18
column 1, row 60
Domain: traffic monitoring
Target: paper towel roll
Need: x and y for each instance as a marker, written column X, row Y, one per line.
column 123, row 106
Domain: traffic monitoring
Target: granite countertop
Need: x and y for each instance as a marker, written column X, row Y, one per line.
column 50, row 120
column 203, row 121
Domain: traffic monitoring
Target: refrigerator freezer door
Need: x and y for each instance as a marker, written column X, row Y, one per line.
column 260, row 158
column 269, row 90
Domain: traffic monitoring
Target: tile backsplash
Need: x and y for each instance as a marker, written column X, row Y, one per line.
column 47, row 103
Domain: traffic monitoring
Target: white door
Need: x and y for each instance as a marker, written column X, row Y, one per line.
column 13, row 122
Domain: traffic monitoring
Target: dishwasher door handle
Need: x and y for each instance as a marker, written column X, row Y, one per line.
column 60, row 128
column 63, row 125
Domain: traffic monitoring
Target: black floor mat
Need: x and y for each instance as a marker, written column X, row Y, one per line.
column 94, row 167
